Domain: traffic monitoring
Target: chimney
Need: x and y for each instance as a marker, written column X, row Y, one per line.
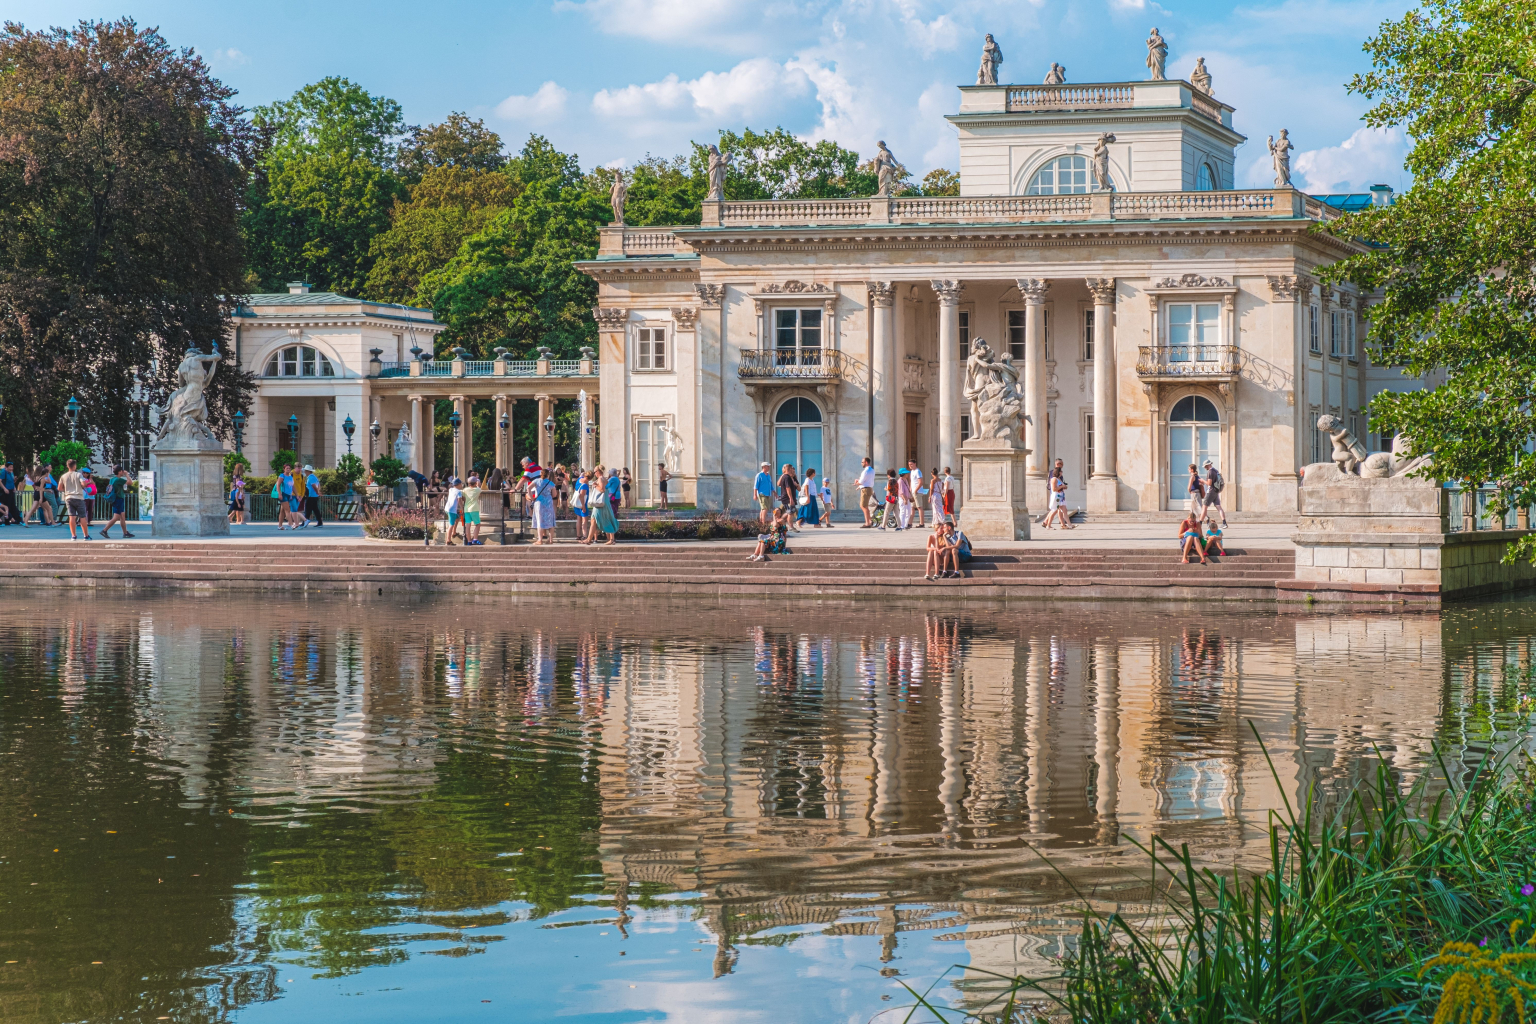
column 1381, row 195
column 302, row 287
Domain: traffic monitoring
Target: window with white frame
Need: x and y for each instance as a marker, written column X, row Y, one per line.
column 1314, row 332
column 1317, row 435
column 1349, row 340
column 399, row 348
column 965, row 331
column 1194, row 329
column 1335, row 332
column 1061, row 176
column 1088, row 443
column 299, row 361
column 797, row 337
column 1016, row 320
column 651, row 348
column 1088, row 336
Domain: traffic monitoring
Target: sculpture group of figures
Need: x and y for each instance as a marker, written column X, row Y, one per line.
column 992, row 388
column 1351, row 457
column 184, row 417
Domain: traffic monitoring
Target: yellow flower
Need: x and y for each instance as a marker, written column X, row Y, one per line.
column 1481, row 980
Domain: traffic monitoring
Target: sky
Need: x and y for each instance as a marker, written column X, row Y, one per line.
column 616, row 80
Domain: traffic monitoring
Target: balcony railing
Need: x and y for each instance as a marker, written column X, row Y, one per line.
column 489, row 368
column 789, row 363
column 1070, row 97
column 1188, row 361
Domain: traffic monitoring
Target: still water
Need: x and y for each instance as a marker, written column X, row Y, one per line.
column 267, row 808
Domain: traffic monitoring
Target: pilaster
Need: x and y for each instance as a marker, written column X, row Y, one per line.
column 613, row 388
column 1036, row 437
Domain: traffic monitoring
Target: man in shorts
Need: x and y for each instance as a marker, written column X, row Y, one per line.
column 72, row 490
column 119, row 497
column 1214, row 485
column 867, row 494
column 763, row 488
column 919, row 492
column 312, row 498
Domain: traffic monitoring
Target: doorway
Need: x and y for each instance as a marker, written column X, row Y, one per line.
column 914, row 426
column 797, row 437
column 1194, row 435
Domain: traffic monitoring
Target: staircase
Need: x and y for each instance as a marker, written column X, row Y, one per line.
column 639, row 568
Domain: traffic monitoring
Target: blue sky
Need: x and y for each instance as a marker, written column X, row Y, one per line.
column 613, row 80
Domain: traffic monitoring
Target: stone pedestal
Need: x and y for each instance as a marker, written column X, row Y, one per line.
column 189, row 491
column 993, row 502
column 709, row 492
column 1103, row 494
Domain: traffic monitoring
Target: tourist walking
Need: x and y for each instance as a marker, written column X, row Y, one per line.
column 312, row 497
column 42, row 508
column 919, row 491
column 581, row 506
column 662, row 476
column 117, row 496
column 289, row 499
column 8, row 500
column 826, row 503
column 1214, row 485
column 904, row 497
column 892, row 495
column 1196, row 490
column 72, row 488
column 472, row 492
column 866, row 485
column 453, row 509
column 810, row 507
column 613, row 487
column 237, row 495
column 51, row 495
column 949, row 496
column 789, row 491
column 1056, row 496
column 605, row 517
column 541, row 496
column 762, row 486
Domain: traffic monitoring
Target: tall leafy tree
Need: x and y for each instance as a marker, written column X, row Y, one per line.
column 121, row 167
column 458, row 141
column 1455, row 255
column 661, row 191
column 326, row 186
column 449, row 204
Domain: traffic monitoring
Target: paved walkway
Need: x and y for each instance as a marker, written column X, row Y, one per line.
column 1274, row 536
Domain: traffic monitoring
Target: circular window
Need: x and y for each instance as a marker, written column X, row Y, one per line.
column 1063, row 175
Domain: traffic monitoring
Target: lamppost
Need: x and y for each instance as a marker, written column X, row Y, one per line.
column 239, row 421
column 349, row 428
column 72, row 409
column 373, row 432
column 549, row 435
column 504, row 423
column 454, row 419
column 293, row 434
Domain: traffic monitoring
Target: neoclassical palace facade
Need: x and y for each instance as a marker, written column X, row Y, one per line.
column 1160, row 319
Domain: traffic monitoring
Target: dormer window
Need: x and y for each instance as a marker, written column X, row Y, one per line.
column 1062, row 176
column 1205, row 179
column 299, row 361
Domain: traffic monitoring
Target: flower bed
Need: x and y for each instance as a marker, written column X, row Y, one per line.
column 393, row 522
column 709, row 526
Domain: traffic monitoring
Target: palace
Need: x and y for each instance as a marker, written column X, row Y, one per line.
column 1160, row 315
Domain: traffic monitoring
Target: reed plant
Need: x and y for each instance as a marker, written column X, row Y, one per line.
column 1403, row 904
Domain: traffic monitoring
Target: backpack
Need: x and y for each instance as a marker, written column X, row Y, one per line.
column 1218, row 484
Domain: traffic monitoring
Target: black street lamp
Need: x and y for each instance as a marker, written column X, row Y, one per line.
column 239, row 421
column 72, row 409
column 293, row 433
column 504, row 423
column 349, row 428
column 454, row 420
column 549, row 434
column 373, row 432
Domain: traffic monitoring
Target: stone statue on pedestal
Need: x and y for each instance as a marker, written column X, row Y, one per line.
column 187, row 459
column 1157, row 55
column 992, row 388
column 405, row 445
column 888, row 170
column 672, row 454
column 1057, row 75
column 1101, row 162
column 718, row 163
column 184, row 417
column 995, row 506
column 1280, row 153
column 991, row 57
column 1200, row 78
column 616, row 196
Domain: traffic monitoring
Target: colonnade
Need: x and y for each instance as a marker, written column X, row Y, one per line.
column 885, row 361
column 422, row 424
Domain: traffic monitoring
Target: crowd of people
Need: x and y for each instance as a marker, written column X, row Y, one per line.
column 593, row 497
column 65, row 500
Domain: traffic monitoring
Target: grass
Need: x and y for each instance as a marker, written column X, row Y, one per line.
column 1402, row 905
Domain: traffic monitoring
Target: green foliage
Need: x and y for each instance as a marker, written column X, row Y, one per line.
column 350, row 468
column 448, row 205
column 59, row 453
column 777, row 165
column 233, row 459
column 333, row 116
column 1455, row 254
column 458, row 141
column 660, row 191
column 388, row 471
column 280, row 458
column 122, row 163
column 941, row 182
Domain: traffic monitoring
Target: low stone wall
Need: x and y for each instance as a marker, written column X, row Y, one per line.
column 1471, row 564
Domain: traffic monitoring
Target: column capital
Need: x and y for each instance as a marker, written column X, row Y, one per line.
column 541, row 398
column 1033, row 289
column 685, row 317
column 710, row 295
column 1103, row 290
column 881, row 293
column 1284, row 287
column 457, row 398
column 948, row 291
column 500, row 398
column 610, row 318
column 417, row 398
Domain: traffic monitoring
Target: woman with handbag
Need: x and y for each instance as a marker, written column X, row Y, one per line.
column 810, row 512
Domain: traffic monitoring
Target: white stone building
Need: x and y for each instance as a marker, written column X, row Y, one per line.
column 1160, row 319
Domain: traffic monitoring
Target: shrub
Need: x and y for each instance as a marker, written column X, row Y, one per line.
column 388, row 471
column 393, row 522
column 233, row 459
column 350, row 468
column 280, row 458
column 61, row 452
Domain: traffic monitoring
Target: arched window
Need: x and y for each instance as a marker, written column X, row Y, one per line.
column 797, row 437
column 1063, row 175
column 299, row 361
column 1205, row 179
column 1194, row 435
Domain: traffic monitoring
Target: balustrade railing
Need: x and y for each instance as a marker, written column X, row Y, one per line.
column 790, row 363
column 981, row 208
column 1070, row 97
column 797, row 211
column 640, row 242
column 1162, row 204
column 1188, row 360
column 395, row 368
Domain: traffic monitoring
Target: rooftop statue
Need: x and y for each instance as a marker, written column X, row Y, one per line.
column 1201, row 78
column 888, row 170
column 1101, row 162
column 718, row 162
column 991, row 57
column 616, row 196
column 1057, row 75
column 184, row 417
column 1157, row 55
column 992, row 388
column 1280, row 153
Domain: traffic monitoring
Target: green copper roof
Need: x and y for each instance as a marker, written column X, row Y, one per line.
column 319, row 299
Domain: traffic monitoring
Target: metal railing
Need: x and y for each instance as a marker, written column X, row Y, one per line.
column 820, row 363
column 1188, row 360
column 565, row 367
column 437, row 368
column 1470, row 508
column 479, row 367
column 101, row 508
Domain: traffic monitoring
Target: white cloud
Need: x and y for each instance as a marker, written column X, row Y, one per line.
column 713, row 24
column 1369, row 156
column 230, row 57
column 752, row 90
column 545, row 105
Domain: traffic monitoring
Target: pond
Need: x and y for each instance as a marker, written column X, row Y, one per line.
column 272, row 808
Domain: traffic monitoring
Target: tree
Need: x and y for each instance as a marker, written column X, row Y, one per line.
column 661, row 191
column 448, row 205
column 777, row 165
column 458, row 141
column 941, row 182
column 1455, row 255
column 121, row 167
column 333, row 115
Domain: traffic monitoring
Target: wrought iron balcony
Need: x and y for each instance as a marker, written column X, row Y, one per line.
column 790, row 364
column 1178, row 362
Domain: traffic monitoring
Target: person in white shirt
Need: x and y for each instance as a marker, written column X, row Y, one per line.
column 948, row 504
column 919, row 492
column 453, row 506
column 826, row 504
column 866, row 487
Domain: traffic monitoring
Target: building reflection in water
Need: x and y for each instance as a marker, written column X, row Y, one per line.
column 834, row 768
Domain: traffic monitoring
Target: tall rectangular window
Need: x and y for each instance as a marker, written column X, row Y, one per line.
column 1088, row 441
column 965, row 333
column 1317, row 435
column 1349, row 322
column 1335, row 332
column 965, row 429
column 797, row 337
column 1016, row 319
column 650, row 444
column 1046, row 316
column 399, row 348
column 1314, row 332
column 1088, row 336
column 1194, row 328
column 651, row 348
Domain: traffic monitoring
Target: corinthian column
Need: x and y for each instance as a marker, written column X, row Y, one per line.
column 885, row 385
column 1104, row 486
column 1035, row 427
column 416, row 438
column 949, row 368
